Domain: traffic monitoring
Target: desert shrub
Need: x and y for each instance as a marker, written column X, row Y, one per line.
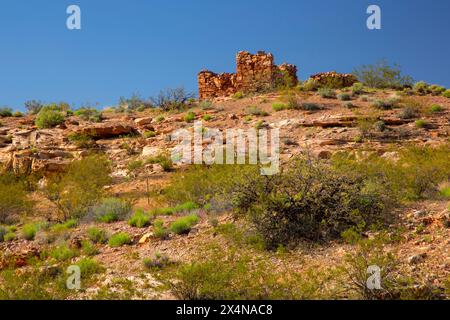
column 89, row 267
column 159, row 231
column 139, row 219
column 408, row 113
column 381, row 75
column 160, row 119
column 29, row 231
column 89, row 248
column 327, row 93
column 380, row 126
column 134, row 165
column 158, row 262
column 421, row 123
column 64, row 226
column 310, row 85
column 33, row 106
column 163, row 160
column 81, row 140
column 206, row 105
column 97, row 235
column 111, row 210
column 421, row 88
column 149, row 134
column 119, row 239
column 13, row 197
column 134, row 103
column 7, row 233
column 50, row 116
column 89, row 114
column 383, row 104
column 76, row 191
column 189, row 117
column 309, row 106
column 184, row 207
column 173, row 99
column 344, row 97
column 184, row 224
column 446, row 93
column 309, row 200
column 6, row 112
column 357, row 89
column 207, row 117
column 18, row 114
column 238, row 95
column 255, row 111
column 349, row 105
column 62, row 253
column 279, row 106
column 436, row 90
column 436, row 108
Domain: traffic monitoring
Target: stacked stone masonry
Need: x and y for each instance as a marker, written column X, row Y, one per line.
column 255, row 72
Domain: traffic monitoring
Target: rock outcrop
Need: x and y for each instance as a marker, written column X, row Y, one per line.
column 334, row 79
column 255, row 72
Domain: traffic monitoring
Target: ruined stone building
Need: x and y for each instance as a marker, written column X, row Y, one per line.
column 254, row 72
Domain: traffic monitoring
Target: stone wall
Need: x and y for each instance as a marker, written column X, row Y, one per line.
column 255, row 72
column 334, row 80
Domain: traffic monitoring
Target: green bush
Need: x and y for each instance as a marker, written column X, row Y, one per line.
column 89, row 248
column 163, row 160
column 317, row 203
column 408, row 113
column 184, row 224
column 279, row 106
column 81, row 140
column 111, row 210
column 189, row 117
column 119, row 239
column 421, row 88
column 207, row 117
column 327, row 93
column 382, row 76
column 238, row 95
column 97, row 235
column 149, row 134
column 81, row 187
column 421, row 123
column 159, row 230
column 89, row 114
column 139, row 219
column 89, row 267
column 49, row 117
column 29, row 231
column 255, row 111
column 308, row 106
column 61, row 227
column 160, row 119
column 383, row 104
column 447, row 93
column 436, row 90
column 63, row 253
column 357, row 89
column 6, row 112
column 344, row 97
column 436, row 108
column 135, row 165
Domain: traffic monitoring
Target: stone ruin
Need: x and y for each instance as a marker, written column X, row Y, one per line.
column 334, row 79
column 255, row 72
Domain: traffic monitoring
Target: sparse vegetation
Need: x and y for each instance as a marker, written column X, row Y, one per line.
column 344, row 97
column 89, row 114
column 189, row 117
column 111, row 210
column 50, row 116
column 97, row 235
column 139, row 219
column 327, row 93
column 6, row 112
column 184, row 224
column 173, row 99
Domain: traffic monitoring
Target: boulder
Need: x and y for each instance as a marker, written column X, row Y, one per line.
column 107, row 130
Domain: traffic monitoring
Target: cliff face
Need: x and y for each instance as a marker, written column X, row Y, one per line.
column 254, row 72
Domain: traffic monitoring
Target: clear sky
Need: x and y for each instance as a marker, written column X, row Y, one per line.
column 142, row 46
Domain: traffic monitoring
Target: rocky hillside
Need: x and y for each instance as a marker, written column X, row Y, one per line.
column 137, row 144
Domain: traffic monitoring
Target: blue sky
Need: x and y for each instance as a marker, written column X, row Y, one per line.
column 144, row 45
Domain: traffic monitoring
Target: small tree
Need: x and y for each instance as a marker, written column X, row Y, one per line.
column 381, row 75
column 33, row 106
